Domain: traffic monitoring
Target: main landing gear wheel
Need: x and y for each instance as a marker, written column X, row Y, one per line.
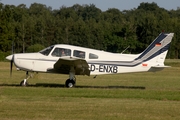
column 24, row 83
column 70, row 83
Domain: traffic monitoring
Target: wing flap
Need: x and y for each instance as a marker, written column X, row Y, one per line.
column 63, row 65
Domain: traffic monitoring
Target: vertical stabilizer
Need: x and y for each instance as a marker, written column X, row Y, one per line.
column 156, row 52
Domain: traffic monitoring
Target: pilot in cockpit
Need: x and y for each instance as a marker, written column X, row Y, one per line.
column 63, row 53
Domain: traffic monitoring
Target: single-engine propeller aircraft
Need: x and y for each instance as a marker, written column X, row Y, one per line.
column 74, row 60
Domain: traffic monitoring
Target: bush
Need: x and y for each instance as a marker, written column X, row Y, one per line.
column 35, row 48
column 3, row 55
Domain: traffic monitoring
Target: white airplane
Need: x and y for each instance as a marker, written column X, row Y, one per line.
column 74, row 60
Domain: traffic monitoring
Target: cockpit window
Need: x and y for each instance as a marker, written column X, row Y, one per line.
column 60, row 52
column 46, row 51
column 92, row 56
column 78, row 53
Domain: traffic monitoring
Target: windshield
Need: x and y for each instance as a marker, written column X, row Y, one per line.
column 47, row 50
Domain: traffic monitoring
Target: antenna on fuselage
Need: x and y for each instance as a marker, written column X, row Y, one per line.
column 125, row 49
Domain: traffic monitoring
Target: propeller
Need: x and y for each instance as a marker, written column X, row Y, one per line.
column 11, row 65
column 11, row 59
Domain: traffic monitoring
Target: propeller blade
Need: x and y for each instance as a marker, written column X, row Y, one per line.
column 11, row 66
column 12, row 59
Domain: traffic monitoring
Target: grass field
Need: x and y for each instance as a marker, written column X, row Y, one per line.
column 137, row 96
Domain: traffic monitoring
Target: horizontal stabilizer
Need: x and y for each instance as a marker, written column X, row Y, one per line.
column 157, row 68
column 160, row 66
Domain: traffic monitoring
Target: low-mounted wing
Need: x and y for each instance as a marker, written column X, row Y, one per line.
column 64, row 65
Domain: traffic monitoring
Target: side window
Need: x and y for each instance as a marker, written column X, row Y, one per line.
column 78, row 53
column 92, row 56
column 60, row 52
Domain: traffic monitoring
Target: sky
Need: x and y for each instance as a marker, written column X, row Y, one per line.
column 101, row 4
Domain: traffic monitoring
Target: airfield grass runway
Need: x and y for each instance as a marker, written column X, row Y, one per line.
column 137, row 96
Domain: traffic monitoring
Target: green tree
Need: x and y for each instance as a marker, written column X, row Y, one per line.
column 6, row 27
column 86, row 25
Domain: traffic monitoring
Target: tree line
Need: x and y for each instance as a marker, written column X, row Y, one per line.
column 31, row 29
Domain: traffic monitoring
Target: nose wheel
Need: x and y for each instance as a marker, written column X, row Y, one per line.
column 24, row 83
column 28, row 76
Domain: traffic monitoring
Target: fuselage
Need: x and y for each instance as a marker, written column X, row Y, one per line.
column 100, row 62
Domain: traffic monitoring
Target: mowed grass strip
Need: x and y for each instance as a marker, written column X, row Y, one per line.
column 80, row 103
column 121, row 96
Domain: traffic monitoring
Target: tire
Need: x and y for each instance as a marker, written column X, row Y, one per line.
column 24, row 84
column 70, row 83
